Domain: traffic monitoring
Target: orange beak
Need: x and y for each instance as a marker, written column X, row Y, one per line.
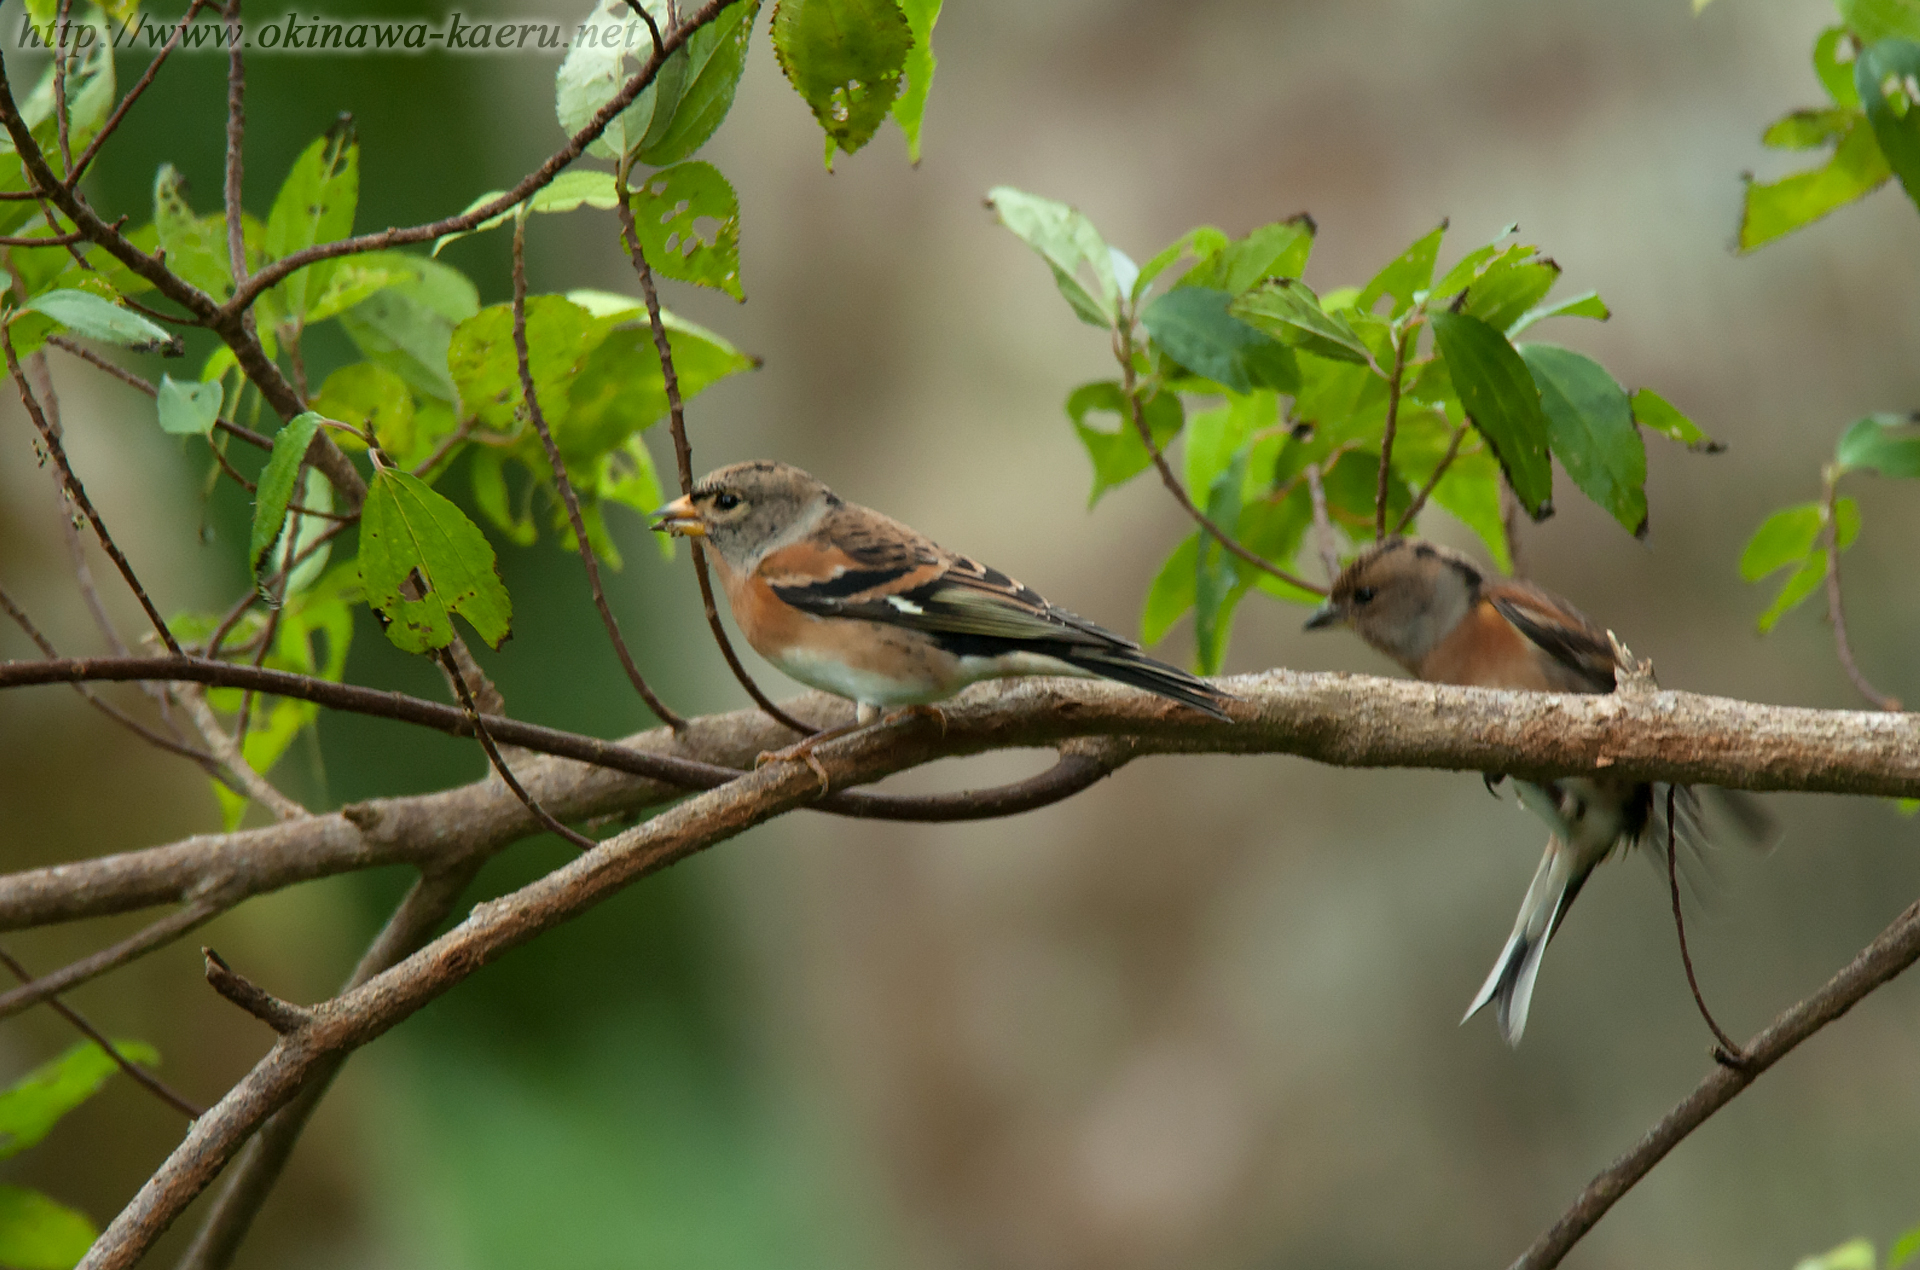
column 679, row 518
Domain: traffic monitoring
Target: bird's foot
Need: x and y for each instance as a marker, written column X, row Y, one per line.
column 803, row 753
column 935, row 713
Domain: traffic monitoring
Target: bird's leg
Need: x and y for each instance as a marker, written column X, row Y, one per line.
column 935, row 713
column 865, row 716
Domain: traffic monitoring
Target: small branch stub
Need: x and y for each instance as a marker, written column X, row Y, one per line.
column 282, row 1016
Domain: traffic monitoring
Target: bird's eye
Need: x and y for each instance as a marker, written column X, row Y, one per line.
column 725, row 502
column 1362, row 594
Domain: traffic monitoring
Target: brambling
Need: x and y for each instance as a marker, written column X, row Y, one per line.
column 855, row 603
column 1434, row 611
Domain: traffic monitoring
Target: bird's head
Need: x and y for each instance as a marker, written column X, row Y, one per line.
column 747, row 510
column 1402, row 596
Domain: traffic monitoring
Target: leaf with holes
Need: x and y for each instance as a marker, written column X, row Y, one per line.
column 845, row 59
column 187, row 407
column 315, row 205
column 275, row 490
column 1591, row 431
column 32, row 1105
column 1498, row 394
column 689, row 222
column 413, row 538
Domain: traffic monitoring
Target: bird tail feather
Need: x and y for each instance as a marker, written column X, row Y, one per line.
column 1140, row 671
column 1509, row 987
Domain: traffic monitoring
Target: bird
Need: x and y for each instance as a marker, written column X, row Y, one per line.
column 1445, row 620
column 853, row 602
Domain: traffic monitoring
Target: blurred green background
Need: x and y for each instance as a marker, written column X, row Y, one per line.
column 1203, row 1015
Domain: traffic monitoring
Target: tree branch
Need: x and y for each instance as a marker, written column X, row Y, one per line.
column 139, row 944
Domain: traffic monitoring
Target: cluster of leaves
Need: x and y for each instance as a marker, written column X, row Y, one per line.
column 36, row 1231
column 1315, row 387
column 1858, row 1254
column 1870, row 66
column 1869, row 63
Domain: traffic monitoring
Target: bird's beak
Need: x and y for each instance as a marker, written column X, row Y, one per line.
column 679, row 518
column 1326, row 615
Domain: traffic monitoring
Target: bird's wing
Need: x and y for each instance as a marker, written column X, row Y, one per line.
column 1560, row 631
column 861, row 565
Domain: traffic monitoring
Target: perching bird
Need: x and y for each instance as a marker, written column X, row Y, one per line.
column 855, row 603
column 1434, row 611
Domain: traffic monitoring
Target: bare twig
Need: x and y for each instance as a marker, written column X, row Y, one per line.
column 252, row 1177
column 78, row 494
column 661, row 710
column 140, row 1075
column 252, row 784
column 1323, row 540
column 1836, row 612
column 44, row 240
column 1426, row 491
column 236, row 137
column 281, row 1016
column 1406, row 338
column 507, row 777
column 1123, row 351
column 63, row 61
column 143, row 941
column 1896, row 948
column 683, row 452
column 1728, row 1051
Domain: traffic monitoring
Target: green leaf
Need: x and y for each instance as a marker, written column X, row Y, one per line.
column 1469, row 490
column 845, row 59
column 1651, row 410
column 1885, row 443
column 1192, row 326
column 407, row 528
column 911, row 105
column 1411, row 271
column 611, row 46
column 619, row 391
column 1874, row 20
column 1784, row 538
column 277, row 480
column 187, row 407
column 1498, row 393
column 1836, row 75
column 491, row 497
column 1118, row 454
column 1068, row 242
column 32, row 1105
column 1855, row 1254
column 486, row 368
column 1217, row 583
column 1503, row 294
column 570, row 191
column 688, row 218
column 1287, row 309
column 1172, row 592
column 195, row 246
column 1908, row 1244
column 88, row 315
column 1777, row 208
column 407, row 325
column 1809, row 129
column 1278, row 250
column 1202, row 242
column 716, row 55
column 1587, row 304
column 1217, row 437
column 376, row 400
column 1352, row 487
column 315, row 205
column 1590, row 427
column 348, row 283
column 1887, row 77
column 627, row 476
column 1476, row 262
column 37, row 1233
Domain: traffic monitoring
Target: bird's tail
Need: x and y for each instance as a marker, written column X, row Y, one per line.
column 1510, row 986
column 1130, row 666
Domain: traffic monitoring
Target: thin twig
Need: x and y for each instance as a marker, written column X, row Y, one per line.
column 236, row 137
column 683, row 453
column 1393, row 420
column 62, row 61
column 427, row 903
column 252, row 783
column 1426, row 491
column 447, row 446
column 140, row 1076
column 1322, row 525
column 154, row 935
column 107, row 129
column 1123, row 350
column 1511, row 519
column 79, row 494
column 52, row 240
column 665, row 713
column 1728, row 1051
column 532, row 804
column 282, row 1016
column 1896, row 948
column 1836, row 613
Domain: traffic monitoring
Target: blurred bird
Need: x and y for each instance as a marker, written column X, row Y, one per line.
column 855, row 603
column 1433, row 611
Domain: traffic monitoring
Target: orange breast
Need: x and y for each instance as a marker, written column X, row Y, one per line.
column 1485, row 650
